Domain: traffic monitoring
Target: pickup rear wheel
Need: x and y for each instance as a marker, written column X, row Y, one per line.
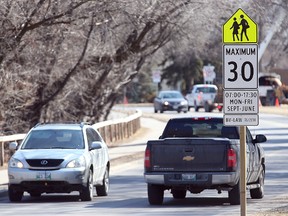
column 207, row 107
column 258, row 193
column 155, row 194
column 178, row 194
column 196, row 107
column 234, row 195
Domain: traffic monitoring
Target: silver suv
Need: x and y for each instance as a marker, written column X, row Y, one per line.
column 59, row 158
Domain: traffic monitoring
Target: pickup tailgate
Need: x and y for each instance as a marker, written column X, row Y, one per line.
column 192, row 154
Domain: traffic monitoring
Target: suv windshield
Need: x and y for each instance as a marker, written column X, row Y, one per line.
column 49, row 139
column 171, row 95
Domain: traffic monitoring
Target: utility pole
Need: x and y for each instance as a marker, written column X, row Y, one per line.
column 263, row 45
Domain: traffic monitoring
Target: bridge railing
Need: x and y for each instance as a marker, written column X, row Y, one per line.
column 111, row 131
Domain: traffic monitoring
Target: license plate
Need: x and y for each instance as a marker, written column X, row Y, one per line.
column 191, row 177
column 175, row 107
column 43, row 176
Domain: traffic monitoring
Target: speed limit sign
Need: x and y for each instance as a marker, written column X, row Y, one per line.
column 240, row 66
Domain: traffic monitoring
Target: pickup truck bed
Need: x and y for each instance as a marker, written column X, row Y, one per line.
column 194, row 154
column 188, row 154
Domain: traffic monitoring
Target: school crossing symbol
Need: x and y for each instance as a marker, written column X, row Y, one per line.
column 240, row 70
column 240, row 28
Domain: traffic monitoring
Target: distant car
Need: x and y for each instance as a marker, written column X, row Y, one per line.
column 59, row 158
column 268, row 83
column 170, row 100
column 205, row 96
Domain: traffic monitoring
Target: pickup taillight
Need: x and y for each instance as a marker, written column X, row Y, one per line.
column 199, row 97
column 219, row 107
column 147, row 159
column 231, row 159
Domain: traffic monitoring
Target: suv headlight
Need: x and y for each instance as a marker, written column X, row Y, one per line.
column 15, row 163
column 79, row 162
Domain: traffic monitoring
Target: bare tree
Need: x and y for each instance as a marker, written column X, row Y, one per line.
column 68, row 60
column 44, row 54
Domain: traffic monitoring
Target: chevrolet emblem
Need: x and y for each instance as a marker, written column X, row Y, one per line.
column 188, row 158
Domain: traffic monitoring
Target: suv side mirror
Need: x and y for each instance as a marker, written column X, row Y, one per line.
column 13, row 145
column 96, row 145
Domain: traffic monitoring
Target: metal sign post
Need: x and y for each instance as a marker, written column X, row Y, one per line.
column 156, row 76
column 243, row 171
column 240, row 66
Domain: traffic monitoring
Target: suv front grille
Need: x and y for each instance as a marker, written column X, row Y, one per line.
column 174, row 103
column 44, row 162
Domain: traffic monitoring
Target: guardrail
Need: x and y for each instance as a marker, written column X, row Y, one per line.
column 119, row 129
column 111, row 131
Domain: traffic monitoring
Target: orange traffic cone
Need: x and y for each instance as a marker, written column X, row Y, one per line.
column 277, row 102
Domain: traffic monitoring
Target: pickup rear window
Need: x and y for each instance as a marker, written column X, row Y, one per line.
column 207, row 128
column 206, row 90
column 269, row 81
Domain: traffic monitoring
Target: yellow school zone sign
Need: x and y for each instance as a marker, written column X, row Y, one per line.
column 240, row 28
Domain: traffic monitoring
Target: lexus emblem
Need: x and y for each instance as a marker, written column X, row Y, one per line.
column 44, row 162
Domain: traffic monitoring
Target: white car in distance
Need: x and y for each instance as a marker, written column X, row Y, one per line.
column 202, row 96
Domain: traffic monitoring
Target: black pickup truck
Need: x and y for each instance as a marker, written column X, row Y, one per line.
column 195, row 154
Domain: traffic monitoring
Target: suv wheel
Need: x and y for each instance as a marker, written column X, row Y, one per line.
column 14, row 195
column 87, row 192
column 104, row 188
